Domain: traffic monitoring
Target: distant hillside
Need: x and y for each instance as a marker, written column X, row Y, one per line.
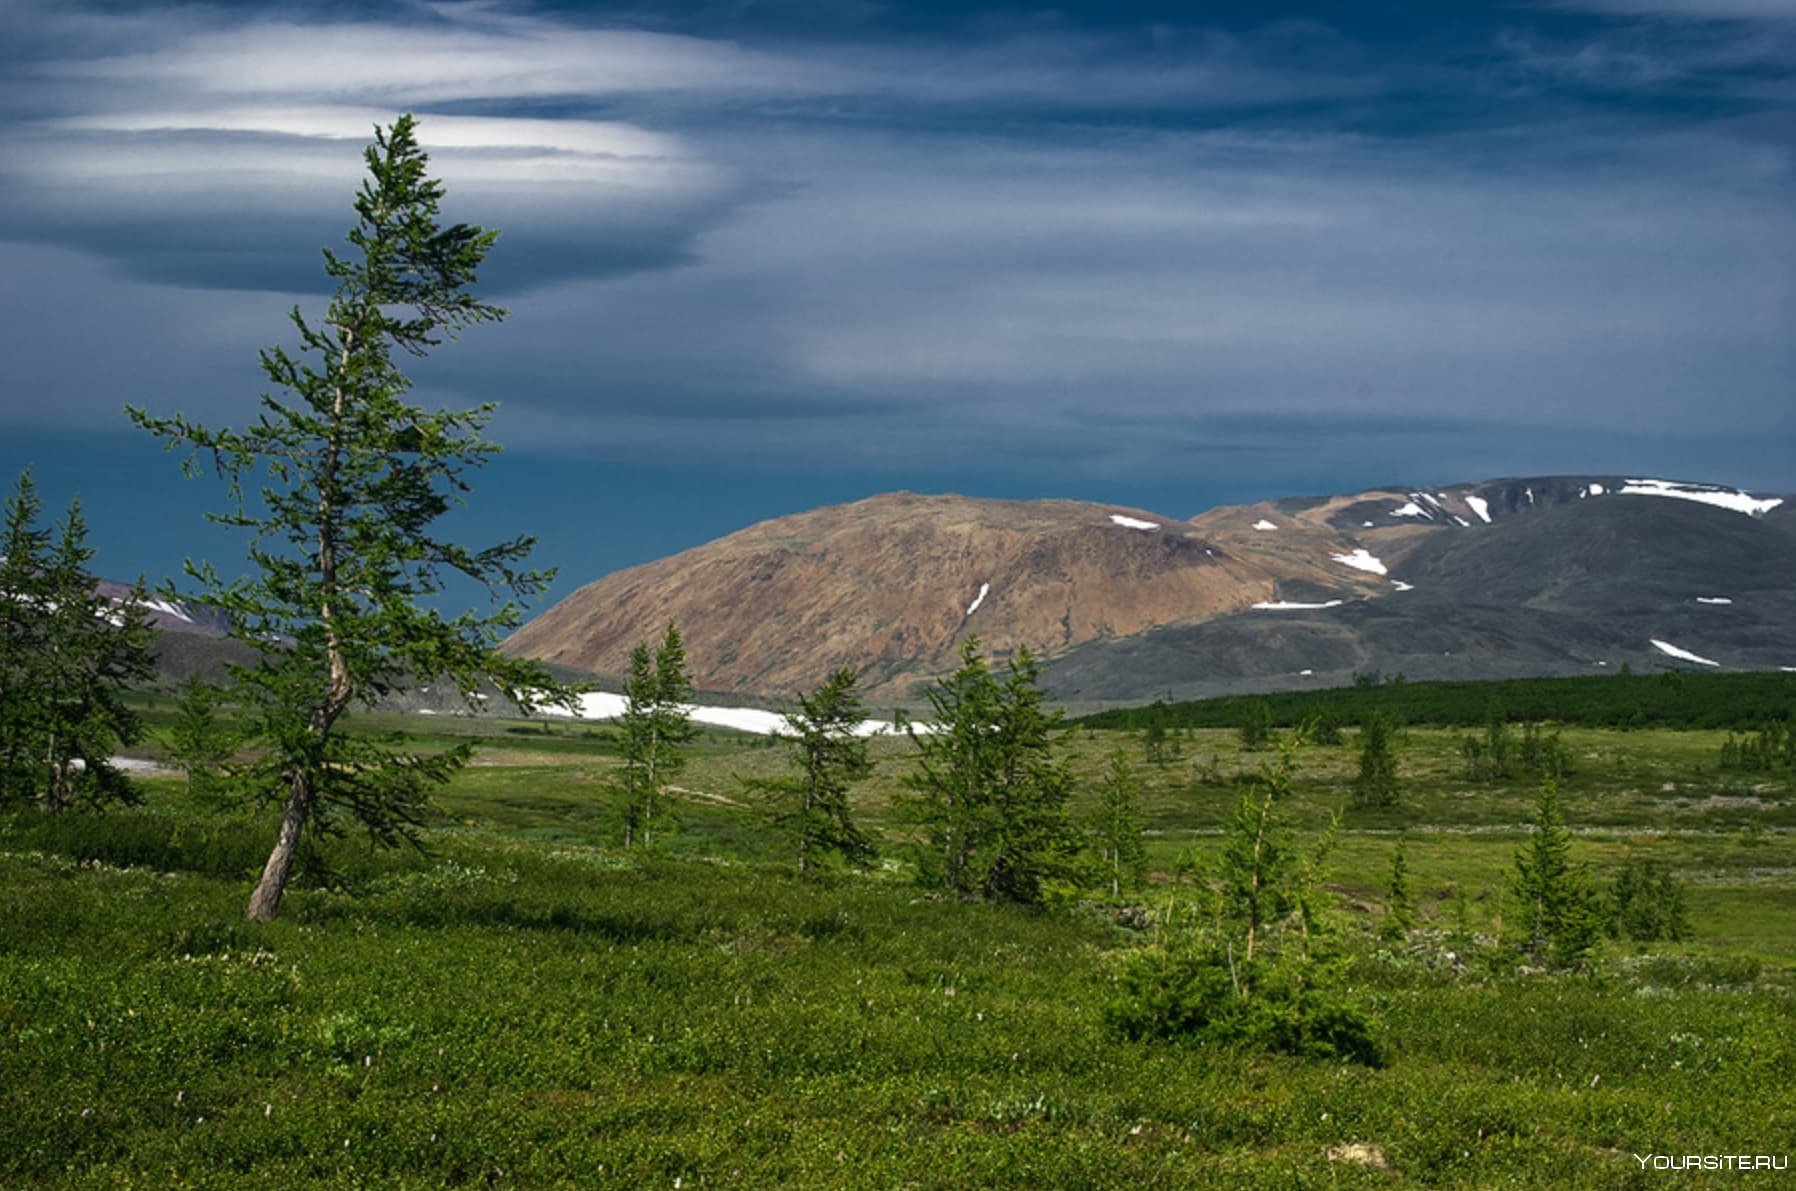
column 1505, row 578
column 890, row 585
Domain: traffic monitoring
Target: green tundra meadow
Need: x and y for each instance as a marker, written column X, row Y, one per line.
column 522, row 1001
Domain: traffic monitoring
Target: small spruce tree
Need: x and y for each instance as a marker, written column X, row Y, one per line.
column 1255, row 728
column 1156, row 744
column 1399, row 904
column 24, row 642
column 990, row 788
column 1118, row 823
column 657, row 725
column 829, row 757
column 1325, row 728
column 201, row 740
column 1557, row 916
column 67, row 652
column 1647, row 904
column 1376, row 783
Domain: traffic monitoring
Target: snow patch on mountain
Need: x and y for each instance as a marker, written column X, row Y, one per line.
column 984, row 590
column 1411, row 509
column 1713, row 600
column 1293, row 606
column 1360, row 560
column 1133, row 522
column 1683, row 655
column 1479, row 506
column 1724, row 498
column 178, row 611
column 1262, row 523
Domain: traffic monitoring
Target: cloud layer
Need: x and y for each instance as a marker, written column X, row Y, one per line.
column 1026, row 245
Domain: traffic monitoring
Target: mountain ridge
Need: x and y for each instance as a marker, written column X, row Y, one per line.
column 891, row 584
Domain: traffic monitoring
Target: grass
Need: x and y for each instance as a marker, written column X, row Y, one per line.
column 523, row 1003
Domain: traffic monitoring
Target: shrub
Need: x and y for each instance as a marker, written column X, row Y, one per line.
column 1193, row 996
column 1259, row 971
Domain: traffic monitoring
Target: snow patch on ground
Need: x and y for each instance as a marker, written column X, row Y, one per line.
column 1133, row 522
column 1360, row 560
column 1400, row 585
column 1461, row 522
column 1291, row 606
column 1411, row 509
column 984, row 590
column 1713, row 600
column 1479, row 506
column 1725, row 498
column 1597, row 490
column 1683, row 655
column 1305, row 673
column 1530, row 494
column 603, row 705
column 1262, row 523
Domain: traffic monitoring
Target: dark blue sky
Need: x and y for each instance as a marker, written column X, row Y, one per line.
column 764, row 256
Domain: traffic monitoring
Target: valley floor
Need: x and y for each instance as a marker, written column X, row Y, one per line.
column 526, row 1004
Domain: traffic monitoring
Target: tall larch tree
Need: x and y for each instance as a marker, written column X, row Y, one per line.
column 340, row 482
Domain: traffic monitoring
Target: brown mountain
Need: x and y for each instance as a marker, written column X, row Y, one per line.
column 890, row 585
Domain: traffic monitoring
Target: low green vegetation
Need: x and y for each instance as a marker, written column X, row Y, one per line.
column 1241, row 978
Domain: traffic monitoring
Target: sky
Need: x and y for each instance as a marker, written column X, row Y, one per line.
column 763, row 255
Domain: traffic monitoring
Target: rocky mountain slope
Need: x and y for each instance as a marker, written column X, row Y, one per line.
column 1515, row 576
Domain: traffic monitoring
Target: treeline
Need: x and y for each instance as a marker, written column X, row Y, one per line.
column 1674, row 699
